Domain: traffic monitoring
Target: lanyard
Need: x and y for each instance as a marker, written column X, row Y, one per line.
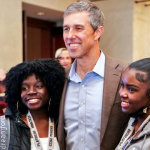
column 124, row 140
column 127, row 136
column 37, row 142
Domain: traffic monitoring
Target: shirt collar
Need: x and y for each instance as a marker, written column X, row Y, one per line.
column 72, row 73
column 99, row 67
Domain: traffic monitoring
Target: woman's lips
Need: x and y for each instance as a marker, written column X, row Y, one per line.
column 124, row 104
column 33, row 101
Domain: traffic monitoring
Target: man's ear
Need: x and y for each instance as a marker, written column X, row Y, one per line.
column 98, row 33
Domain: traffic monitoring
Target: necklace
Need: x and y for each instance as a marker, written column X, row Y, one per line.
column 34, row 132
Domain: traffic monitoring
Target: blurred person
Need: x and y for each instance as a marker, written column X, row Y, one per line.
column 135, row 97
column 33, row 91
column 62, row 55
column 90, row 112
column 2, row 86
column 3, row 105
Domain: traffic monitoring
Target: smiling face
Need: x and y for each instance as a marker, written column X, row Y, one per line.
column 79, row 35
column 34, row 94
column 133, row 92
column 64, row 58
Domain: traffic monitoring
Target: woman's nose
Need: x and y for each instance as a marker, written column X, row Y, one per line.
column 31, row 91
column 123, row 93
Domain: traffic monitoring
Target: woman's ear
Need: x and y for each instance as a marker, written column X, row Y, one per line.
column 99, row 31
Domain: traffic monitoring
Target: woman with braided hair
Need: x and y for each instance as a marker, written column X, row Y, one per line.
column 135, row 97
column 33, row 92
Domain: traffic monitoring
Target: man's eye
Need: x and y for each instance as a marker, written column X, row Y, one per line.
column 79, row 28
column 65, row 28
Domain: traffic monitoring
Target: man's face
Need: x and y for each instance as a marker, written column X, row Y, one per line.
column 64, row 59
column 78, row 34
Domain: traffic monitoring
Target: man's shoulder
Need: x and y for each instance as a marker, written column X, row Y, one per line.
column 67, row 70
column 116, row 63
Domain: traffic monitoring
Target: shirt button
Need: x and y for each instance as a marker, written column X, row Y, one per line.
column 81, row 122
column 81, row 104
column 82, row 86
column 81, row 140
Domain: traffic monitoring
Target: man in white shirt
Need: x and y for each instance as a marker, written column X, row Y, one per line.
column 90, row 112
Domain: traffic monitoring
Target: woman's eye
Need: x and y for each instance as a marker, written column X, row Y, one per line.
column 39, row 86
column 122, row 85
column 131, row 90
column 24, row 88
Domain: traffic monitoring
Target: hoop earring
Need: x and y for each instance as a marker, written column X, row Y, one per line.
column 18, row 109
column 18, row 106
column 49, row 103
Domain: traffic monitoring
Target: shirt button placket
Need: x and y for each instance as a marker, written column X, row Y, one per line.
column 81, row 118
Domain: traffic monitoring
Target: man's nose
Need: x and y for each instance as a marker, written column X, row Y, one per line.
column 71, row 33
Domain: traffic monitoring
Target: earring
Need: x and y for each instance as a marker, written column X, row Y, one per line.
column 145, row 110
column 49, row 104
column 18, row 106
column 18, row 109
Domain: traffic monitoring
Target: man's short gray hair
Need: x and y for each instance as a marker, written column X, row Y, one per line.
column 96, row 16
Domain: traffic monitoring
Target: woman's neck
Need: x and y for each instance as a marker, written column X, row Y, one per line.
column 142, row 117
column 41, row 121
column 39, row 114
column 140, row 120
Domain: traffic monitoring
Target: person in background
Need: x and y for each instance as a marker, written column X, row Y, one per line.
column 90, row 112
column 135, row 97
column 33, row 92
column 62, row 55
column 2, row 86
column 3, row 105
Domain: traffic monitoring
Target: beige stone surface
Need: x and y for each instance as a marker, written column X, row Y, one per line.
column 53, row 4
column 10, row 33
column 141, row 31
column 11, row 28
column 117, row 37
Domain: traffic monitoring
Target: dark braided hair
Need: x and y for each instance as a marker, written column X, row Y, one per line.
column 50, row 72
column 142, row 65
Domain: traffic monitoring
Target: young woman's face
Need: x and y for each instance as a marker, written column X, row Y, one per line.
column 34, row 93
column 133, row 92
